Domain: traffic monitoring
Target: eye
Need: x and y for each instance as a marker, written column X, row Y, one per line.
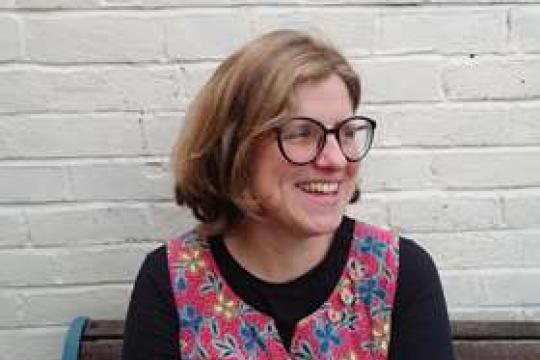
column 349, row 131
column 352, row 130
column 299, row 131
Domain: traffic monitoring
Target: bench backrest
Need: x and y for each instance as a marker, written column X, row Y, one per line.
column 473, row 340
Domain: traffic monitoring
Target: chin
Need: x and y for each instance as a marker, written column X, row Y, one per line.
column 324, row 225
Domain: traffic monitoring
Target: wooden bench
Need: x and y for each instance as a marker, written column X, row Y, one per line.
column 487, row 340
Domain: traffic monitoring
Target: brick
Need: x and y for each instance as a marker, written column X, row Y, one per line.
column 475, row 169
column 482, row 313
column 483, row 1
column 484, row 249
column 443, row 126
column 32, row 343
column 41, row 136
column 525, row 31
column 351, row 29
column 523, row 127
column 10, row 43
column 28, row 267
column 51, row 4
column 14, row 228
column 492, row 287
column 455, row 125
column 32, row 183
column 94, row 38
column 101, row 264
column 398, row 170
column 167, row 3
column 437, row 212
column 169, row 220
column 477, row 79
column 463, row 289
column 522, row 209
column 400, row 80
column 121, row 180
column 81, row 89
column 443, row 31
column 9, row 311
column 6, row 4
column 186, row 3
column 60, row 306
column 87, row 224
column 230, row 28
column 369, row 210
column 161, row 132
column 194, row 76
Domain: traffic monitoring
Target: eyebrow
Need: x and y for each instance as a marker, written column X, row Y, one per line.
column 338, row 123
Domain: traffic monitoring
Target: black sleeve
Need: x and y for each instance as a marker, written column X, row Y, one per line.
column 151, row 326
column 420, row 325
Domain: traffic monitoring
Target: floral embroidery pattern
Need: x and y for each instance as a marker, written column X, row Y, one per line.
column 353, row 324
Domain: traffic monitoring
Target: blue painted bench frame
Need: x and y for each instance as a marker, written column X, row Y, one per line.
column 72, row 345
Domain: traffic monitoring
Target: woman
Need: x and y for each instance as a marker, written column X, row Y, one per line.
column 268, row 161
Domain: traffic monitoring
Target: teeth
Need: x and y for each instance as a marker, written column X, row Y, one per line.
column 319, row 187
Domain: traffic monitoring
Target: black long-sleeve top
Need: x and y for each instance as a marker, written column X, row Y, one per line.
column 420, row 327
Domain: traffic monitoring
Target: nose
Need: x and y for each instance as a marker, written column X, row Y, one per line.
column 331, row 155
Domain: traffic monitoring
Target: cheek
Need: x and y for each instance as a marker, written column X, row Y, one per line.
column 266, row 169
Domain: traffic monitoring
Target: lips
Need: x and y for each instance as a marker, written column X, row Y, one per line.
column 319, row 187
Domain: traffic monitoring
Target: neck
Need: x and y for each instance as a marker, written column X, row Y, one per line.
column 273, row 254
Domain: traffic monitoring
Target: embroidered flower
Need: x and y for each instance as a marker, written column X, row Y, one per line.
column 253, row 338
column 192, row 260
column 335, row 316
column 181, row 281
column 373, row 247
column 351, row 356
column 381, row 332
column 346, row 296
column 327, row 335
column 369, row 290
column 225, row 307
column 191, row 319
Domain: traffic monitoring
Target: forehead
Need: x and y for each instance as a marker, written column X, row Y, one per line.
column 327, row 100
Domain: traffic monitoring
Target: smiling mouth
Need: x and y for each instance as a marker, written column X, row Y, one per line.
column 319, row 187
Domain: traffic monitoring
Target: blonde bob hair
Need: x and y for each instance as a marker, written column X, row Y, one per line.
column 249, row 94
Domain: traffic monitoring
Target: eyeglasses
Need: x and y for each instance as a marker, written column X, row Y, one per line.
column 302, row 139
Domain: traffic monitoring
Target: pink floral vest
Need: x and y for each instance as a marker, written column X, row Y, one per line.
column 353, row 324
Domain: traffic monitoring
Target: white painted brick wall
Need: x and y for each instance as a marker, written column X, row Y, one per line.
column 93, row 94
column 443, row 31
column 10, row 38
column 69, row 38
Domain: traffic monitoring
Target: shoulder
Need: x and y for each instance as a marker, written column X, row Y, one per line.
column 362, row 229
column 418, row 276
column 154, row 265
column 191, row 239
column 420, row 325
column 415, row 261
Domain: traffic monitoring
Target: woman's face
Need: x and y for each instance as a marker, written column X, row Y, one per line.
column 307, row 200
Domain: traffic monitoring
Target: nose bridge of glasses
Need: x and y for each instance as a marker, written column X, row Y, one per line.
column 326, row 139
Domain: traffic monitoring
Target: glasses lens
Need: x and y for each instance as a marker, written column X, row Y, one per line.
column 300, row 139
column 355, row 138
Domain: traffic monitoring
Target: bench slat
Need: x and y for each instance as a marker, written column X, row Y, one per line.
column 497, row 350
column 111, row 329
column 496, row 329
column 101, row 350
